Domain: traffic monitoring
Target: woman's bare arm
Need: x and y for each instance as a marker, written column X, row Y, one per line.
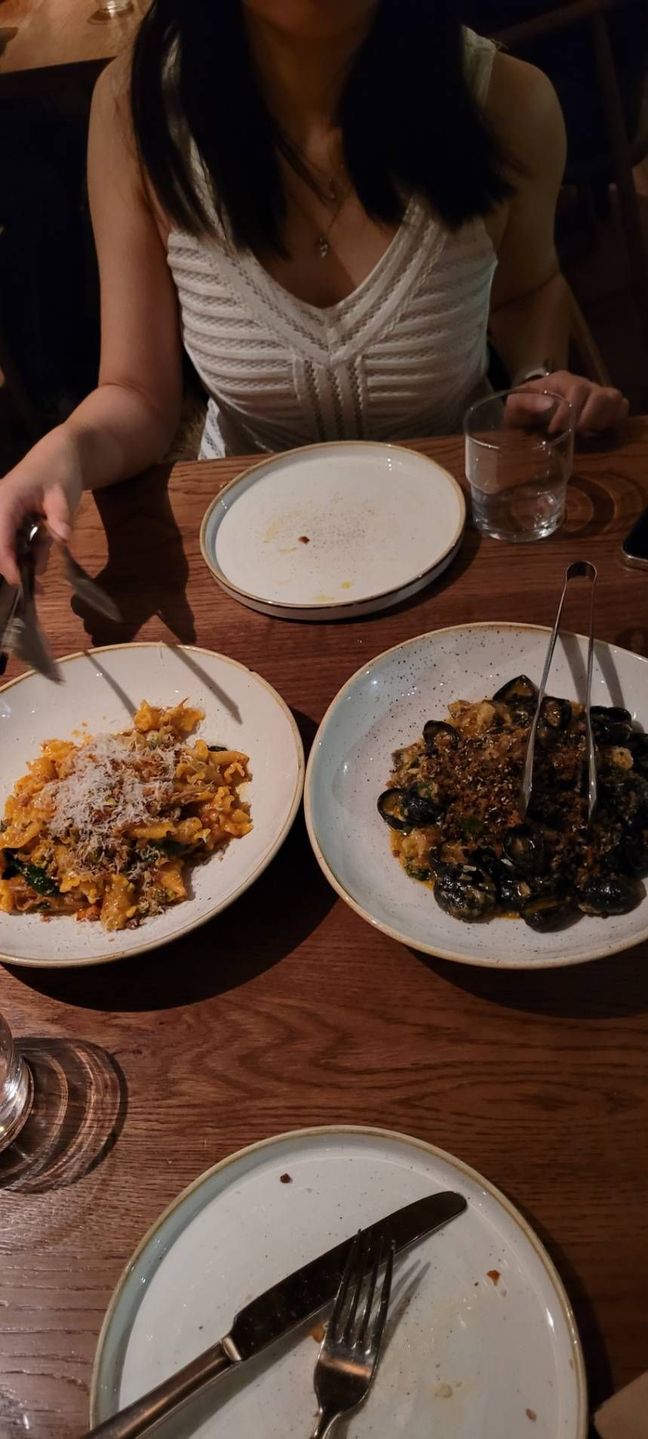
column 128, row 421
column 530, row 300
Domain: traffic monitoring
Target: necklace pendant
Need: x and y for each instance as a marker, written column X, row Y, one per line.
column 323, row 246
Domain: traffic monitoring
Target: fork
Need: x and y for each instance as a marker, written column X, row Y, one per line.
column 348, row 1359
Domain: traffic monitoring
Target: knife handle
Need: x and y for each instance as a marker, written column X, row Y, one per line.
column 139, row 1417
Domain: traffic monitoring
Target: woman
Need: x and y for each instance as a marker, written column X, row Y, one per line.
column 329, row 201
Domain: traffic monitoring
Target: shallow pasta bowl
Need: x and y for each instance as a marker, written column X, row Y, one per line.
column 384, row 706
column 101, row 691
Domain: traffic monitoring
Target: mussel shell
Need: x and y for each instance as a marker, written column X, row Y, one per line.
column 625, row 794
column 420, row 809
column 512, row 889
column 525, row 848
column 555, row 716
column 407, row 808
column 547, row 912
column 521, row 715
column 391, row 808
column 439, row 735
column 630, row 854
column 607, row 894
column 465, row 892
column 519, row 693
column 638, row 746
column 611, row 724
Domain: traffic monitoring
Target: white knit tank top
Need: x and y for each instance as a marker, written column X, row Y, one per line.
column 402, row 356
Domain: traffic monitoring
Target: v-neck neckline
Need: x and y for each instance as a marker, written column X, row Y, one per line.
column 330, row 313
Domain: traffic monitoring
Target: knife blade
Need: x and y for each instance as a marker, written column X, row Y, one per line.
column 275, row 1313
column 306, row 1291
column 26, row 638
column 87, row 589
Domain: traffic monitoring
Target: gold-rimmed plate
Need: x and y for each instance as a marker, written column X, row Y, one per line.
column 333, row 531
column 102, row 689
column 481, row 1338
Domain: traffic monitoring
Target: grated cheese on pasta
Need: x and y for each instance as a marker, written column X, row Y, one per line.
column 109, row 786
column 106, row 829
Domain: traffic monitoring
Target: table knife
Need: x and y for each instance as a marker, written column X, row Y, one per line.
column 274, row 1314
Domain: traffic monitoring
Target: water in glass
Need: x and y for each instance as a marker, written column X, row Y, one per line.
column 519, row 451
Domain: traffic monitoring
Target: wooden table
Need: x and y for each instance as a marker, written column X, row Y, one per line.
column 47, row 34
column 290, row 1011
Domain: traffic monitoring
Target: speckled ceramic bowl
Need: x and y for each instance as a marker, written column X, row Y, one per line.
column 384, row 706
column 101, row 691
column 481, row 1339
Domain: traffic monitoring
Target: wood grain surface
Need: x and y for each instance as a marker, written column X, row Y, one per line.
column 288, row 1010
column 40, row 34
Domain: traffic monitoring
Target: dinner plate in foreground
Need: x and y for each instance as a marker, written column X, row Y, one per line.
column 333, row 531
column 384, row 707
column 480, row 1341
column 101, row 691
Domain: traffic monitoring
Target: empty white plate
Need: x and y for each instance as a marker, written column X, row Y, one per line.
column 102, row 688
column 384, row 706
column 333, row 531
column 481, row 1341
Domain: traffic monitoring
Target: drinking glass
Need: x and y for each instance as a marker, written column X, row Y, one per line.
column 16, row 1088
column 519, row 456
column 112, row 8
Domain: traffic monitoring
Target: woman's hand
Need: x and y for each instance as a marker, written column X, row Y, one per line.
column 47, row 482
column 594, row 407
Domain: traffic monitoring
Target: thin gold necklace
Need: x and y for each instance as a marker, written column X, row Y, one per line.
column 332, row 192
column 322, row 242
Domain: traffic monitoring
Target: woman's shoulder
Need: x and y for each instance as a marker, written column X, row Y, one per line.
column 113, row 155
column 524, row 111
column 110, row 115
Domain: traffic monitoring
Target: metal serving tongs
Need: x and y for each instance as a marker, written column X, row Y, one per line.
column 580, row 569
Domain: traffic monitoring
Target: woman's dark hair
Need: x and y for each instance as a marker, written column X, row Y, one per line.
column 409, row 120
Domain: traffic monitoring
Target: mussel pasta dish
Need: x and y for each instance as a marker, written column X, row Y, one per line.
column 453, row 808
column 104, row 829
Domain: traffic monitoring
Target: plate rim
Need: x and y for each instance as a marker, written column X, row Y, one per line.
column 373, row 1132
column 455, row 956
column 344, row 604
column 110, row 957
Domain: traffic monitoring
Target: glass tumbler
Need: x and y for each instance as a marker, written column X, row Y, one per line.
column 519, row 457
column 16, row 1088
column 110, row 9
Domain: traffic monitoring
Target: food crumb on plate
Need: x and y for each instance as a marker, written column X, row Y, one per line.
column 285, row 1179
column 317, row 1332
column 304, row 540
column 531, row 1414
column 494, row 1276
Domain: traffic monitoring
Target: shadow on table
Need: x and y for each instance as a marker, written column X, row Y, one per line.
column 605, row 988
column 146, row 572
column 597, row 1363
column 267, row 923
column 77, row 1114
column 462, row 561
